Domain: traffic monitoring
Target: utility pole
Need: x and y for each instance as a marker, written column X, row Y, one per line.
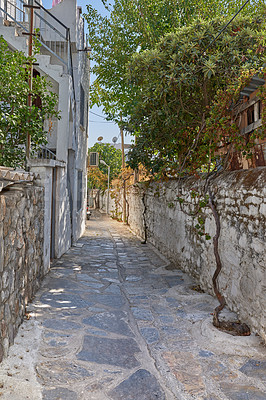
column 123, row 166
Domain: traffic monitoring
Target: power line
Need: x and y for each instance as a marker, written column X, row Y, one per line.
column 228, row 23
column 101, row 122
column 98, row 115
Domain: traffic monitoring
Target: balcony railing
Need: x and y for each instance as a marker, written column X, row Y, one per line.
column 53, row 35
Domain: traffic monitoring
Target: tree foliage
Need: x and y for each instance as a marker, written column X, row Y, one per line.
column 133, row 26
column 181, row 118
column 97, row 177
column 16, row 118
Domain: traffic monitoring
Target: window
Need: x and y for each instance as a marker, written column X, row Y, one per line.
column 251, row 115
column 93, row 159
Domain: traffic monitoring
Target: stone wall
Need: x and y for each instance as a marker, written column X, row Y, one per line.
column 21, row 255
column 240, row 200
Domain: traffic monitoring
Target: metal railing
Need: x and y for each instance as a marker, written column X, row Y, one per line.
column 53, row 35
column 13, row 10
column 46, row 154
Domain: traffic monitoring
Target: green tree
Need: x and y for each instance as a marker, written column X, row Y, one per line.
column 133, row 26
column 180, row 83
column 111, row 156
column 96, row 179
column 16, row 118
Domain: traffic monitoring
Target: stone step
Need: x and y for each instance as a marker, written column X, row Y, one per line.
column 44, row 61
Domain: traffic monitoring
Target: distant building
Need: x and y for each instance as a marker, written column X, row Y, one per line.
column 126, row 148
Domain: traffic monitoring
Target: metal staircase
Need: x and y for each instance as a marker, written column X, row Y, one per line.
column 52, row 34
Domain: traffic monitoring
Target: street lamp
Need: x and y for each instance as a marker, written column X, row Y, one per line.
column 107, row 203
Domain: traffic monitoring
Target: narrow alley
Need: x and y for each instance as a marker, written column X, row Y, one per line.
column 114, row 320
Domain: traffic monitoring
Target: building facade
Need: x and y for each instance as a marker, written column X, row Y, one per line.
column 62, row 164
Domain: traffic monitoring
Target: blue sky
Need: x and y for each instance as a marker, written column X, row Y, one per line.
column 98, row 126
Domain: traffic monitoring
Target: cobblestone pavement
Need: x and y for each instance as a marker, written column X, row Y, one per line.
column 113, row 321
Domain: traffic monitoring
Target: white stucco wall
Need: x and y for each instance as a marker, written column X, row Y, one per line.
column 63, row 217
column 66, row 12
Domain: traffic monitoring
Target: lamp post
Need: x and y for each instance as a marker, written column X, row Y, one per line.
column 107, row 203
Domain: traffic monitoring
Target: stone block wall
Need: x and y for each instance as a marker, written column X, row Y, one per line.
column 239, row 197
column 21, row 256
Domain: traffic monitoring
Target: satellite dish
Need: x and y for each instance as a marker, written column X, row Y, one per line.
column 100, row 138
column 114, row 140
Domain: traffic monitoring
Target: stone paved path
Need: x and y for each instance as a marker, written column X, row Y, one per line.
column 113, row 322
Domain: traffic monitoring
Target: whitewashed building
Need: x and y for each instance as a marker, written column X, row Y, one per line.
column 62, row 165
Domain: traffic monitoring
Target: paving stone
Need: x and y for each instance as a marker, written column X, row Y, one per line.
column 217, row 370
column 142, row 313
column 155, row 282
column 110, row 322
column 48, row 334
column 172, row 301
column 182, row 314
column 166, row 319
column 137, row 289
column 170, row 330
column 159, row 309
column 109, row 275
column 242, row 392
column 163, row 291
column 151, row 335
column 111, row 300
column 97, row 386
column 113, row 288
column 56, row 344
column 69, row 312
column 54, row 372
column 139, row 297
column 60, row 325
column 59, row 394
column 86, row 277
column 96, row 332
column 93, row 285
column 65, row 269
column 133, row 278
column 205, row 353
column 65, row 300
column 255, row 369
column 187, row 370
column 62, row 283
column 118, row 352
column 96, row 309
column 174, row 280
column 142, row 385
